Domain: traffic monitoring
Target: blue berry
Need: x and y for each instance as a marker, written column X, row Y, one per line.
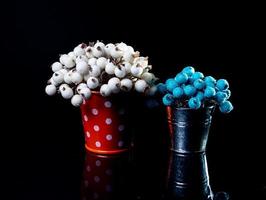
column 189, row 90
column 210, row 79
column 161, row 88
column 209, row 92
column 200, row 95
column 220, row 97
column 199, row 84
column 178, row 92
column 194, row 103
column 181, row 78
column 197, row 75
column 226, row 107
column 189, row 70
column 222, row 84
column 171, row 84
column 228, row 93
column 168, row 99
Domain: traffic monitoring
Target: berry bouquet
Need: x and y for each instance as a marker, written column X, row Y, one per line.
column 90, row 76
column 190, row 99
column 192, row 90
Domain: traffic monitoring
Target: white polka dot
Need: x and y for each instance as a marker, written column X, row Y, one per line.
column 98, row 144
column 109, row 137
column 108, row 188
column 108, row 172
column 88, row 168
column 120, row 143
column 98, row 163
column 107, row 104
column 86, row 183
column 97, row 179
column 108, row 121
column 88, row 134
column 95, row 195
column 94, row 111
column 121, row 127
column 96, row 127
column 86, row 118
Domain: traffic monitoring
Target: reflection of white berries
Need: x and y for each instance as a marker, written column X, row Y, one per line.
column 67, row 77
column 94, row 70
column 92, row 82
column 116, row 52
column 76, row 77
column 101, row 62
column 110, row 68
column 126, row 84
column 50, row 90
column 56, row 66
column 58, row 77
column 80, row 86
column 120, row 71
column 105, row 90
column 85, row 93
column 66, row 92
column 136, row 70
column 114, row 84
column 76, row 100
column 141, row 86
column 82, row 67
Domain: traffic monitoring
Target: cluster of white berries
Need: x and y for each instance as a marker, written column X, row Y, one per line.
column 107, row 68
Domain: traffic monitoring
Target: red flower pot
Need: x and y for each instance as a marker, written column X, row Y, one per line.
column 105, row 123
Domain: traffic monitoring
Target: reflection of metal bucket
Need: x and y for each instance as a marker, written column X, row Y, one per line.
column 188, row 173
column 105, row 177
column 105, row 122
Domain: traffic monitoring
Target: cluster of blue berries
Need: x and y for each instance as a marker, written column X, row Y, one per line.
column 194, row 90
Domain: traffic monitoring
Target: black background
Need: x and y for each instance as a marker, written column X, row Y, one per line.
column 43, row 147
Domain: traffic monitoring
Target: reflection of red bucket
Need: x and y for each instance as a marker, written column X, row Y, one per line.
column 105, row 177
column 105, row 124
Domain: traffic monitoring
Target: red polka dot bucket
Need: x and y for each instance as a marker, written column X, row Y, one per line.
column 105, row 123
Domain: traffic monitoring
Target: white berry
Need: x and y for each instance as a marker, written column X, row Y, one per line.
column 85, row 93
column 92, row 61
column 86, row 77
column 72, row 55
column 141, row 86
column 122, row 46
column 128, row 56
column 81, row 58
column 105, row 90
column 94, row 70
column 67, row 77
column 50, row 90
column 63, row 58
column 58, row 77
column 51, row 81
column 76, row 100
column 92, row 82
column 81, row 86
column 76, row 77
column 120, row 72
column 66, row 92
column 142, row 61
column 110, row 68
column 108, row 48
column 63, row 71
column 148, row 77
column 98, row 49
column 116, row 52
column 82, row 67
column 69, row 62
column 127, row 66
column 88, row 51
column 126, row 84
column 101, row 62
column 63, row 86
column 136, row 70
column 114, row 84
column 56, row 66
column 78, row 51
